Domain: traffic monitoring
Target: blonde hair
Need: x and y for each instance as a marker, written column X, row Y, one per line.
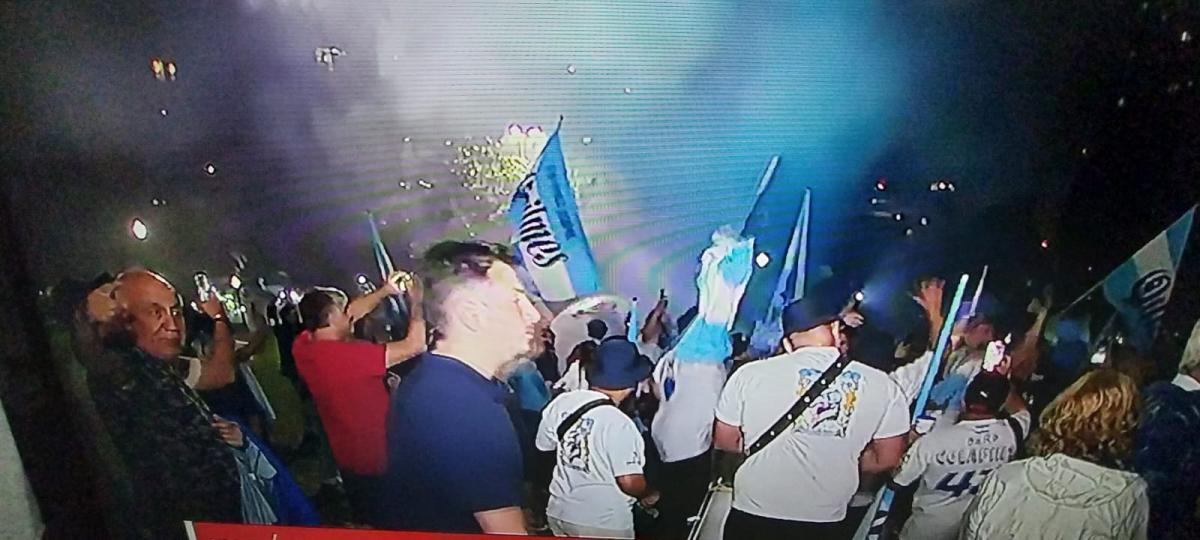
column 1093, row 419
column 1191, row 352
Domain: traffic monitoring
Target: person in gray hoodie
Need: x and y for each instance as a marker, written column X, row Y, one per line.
column 1077, row 485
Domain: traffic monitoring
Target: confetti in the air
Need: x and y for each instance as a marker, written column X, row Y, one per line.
column 571, row 69
column 327, row 55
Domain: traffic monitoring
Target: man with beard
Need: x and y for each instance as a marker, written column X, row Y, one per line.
column 455, row 462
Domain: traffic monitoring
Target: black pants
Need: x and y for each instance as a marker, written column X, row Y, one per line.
column 367, row 496
column 743, row 526
column 684, row 485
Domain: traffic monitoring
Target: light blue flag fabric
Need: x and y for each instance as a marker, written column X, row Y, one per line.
column 383, row 260
column 1141, row 287
column 548, row 235
column 768, row 331
column 771, row 223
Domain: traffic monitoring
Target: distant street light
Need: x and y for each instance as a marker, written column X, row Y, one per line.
column 235, row 282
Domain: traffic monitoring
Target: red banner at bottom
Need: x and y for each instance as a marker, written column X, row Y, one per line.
column 225, row 531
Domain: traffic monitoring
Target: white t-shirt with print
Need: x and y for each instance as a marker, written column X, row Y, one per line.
column 951, row 463
column 810, row 473
column 602, row 446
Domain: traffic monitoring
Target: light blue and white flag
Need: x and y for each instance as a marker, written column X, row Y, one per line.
column 548, row 235
column 769, row 331
column 1141, row 287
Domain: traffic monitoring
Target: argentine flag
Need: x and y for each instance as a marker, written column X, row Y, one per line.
column 548, row 235
column 1141, row 287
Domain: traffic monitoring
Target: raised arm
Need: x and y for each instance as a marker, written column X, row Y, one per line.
column 219, row 368
column 1025, row 354
column 414, row 342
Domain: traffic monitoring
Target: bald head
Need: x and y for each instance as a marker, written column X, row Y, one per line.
column 151, row 312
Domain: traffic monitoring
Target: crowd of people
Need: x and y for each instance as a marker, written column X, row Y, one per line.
column 462, row 418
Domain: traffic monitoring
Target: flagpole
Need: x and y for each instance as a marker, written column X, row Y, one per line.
column 872, row 523
column 978, row 292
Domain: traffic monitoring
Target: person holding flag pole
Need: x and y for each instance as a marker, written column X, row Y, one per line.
column 876, row 517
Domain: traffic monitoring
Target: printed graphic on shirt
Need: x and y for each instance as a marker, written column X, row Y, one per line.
column 830, row 414
column 575, row 451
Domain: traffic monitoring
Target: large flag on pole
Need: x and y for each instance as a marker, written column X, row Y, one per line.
column 383, row 261
column 548, row 234
column 790, row 286
column 772, row 222
column 1141, row 287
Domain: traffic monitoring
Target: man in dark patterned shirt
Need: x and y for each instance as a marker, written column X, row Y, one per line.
column 179, row 457
column 1168, row 456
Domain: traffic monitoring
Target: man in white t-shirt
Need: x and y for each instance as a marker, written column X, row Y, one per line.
column 951, row 462
column 600, row 452
column 798, row 486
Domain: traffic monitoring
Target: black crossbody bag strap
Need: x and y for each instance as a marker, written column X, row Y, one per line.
column 570, row 421
column 1019, row 433
column 785, row 422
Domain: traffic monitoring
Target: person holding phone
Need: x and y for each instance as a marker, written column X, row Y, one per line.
column 346, row 378
column 180, row 457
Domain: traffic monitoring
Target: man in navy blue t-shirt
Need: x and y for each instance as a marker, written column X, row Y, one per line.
column 454, row 458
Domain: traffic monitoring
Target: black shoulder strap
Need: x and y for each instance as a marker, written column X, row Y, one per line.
column 785, row 422
column 1019, row 434
column 570, row 421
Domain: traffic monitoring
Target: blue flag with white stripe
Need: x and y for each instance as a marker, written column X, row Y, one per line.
column 1141, row 287
column 383, row 260
column 548, row 235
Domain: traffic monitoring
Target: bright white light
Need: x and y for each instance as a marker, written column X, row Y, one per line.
column 139, row 229
column 295, row 296
column 924, row 221
column 762, row 260
column 859, row 296
column 210, row 169
column 362, row 279
column 571, row 69
column 908, row 232
column 942, row 186
column 586, row 140
column 235, row 281
column 162, row 112
column 874, row 200
column 425, row 184
column 408, row 139
column 449, row 142
column 1185, row 37
column 898, row 217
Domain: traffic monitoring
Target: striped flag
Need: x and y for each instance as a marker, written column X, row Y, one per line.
column 547, row 232
column 790, row 286
column 1141, row 287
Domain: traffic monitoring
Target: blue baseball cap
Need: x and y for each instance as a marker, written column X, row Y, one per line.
column 618, row 365
column 817, row 308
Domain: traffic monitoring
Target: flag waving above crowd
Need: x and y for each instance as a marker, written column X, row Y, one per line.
column 547, row 232
column 1141, row 287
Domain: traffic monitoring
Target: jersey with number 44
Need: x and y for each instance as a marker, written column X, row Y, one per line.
column 952, row 462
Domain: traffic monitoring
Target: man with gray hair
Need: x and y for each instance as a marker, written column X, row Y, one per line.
column 1167, row 455
column 454, row 458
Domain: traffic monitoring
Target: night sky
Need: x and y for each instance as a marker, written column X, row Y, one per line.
column 682, row 105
